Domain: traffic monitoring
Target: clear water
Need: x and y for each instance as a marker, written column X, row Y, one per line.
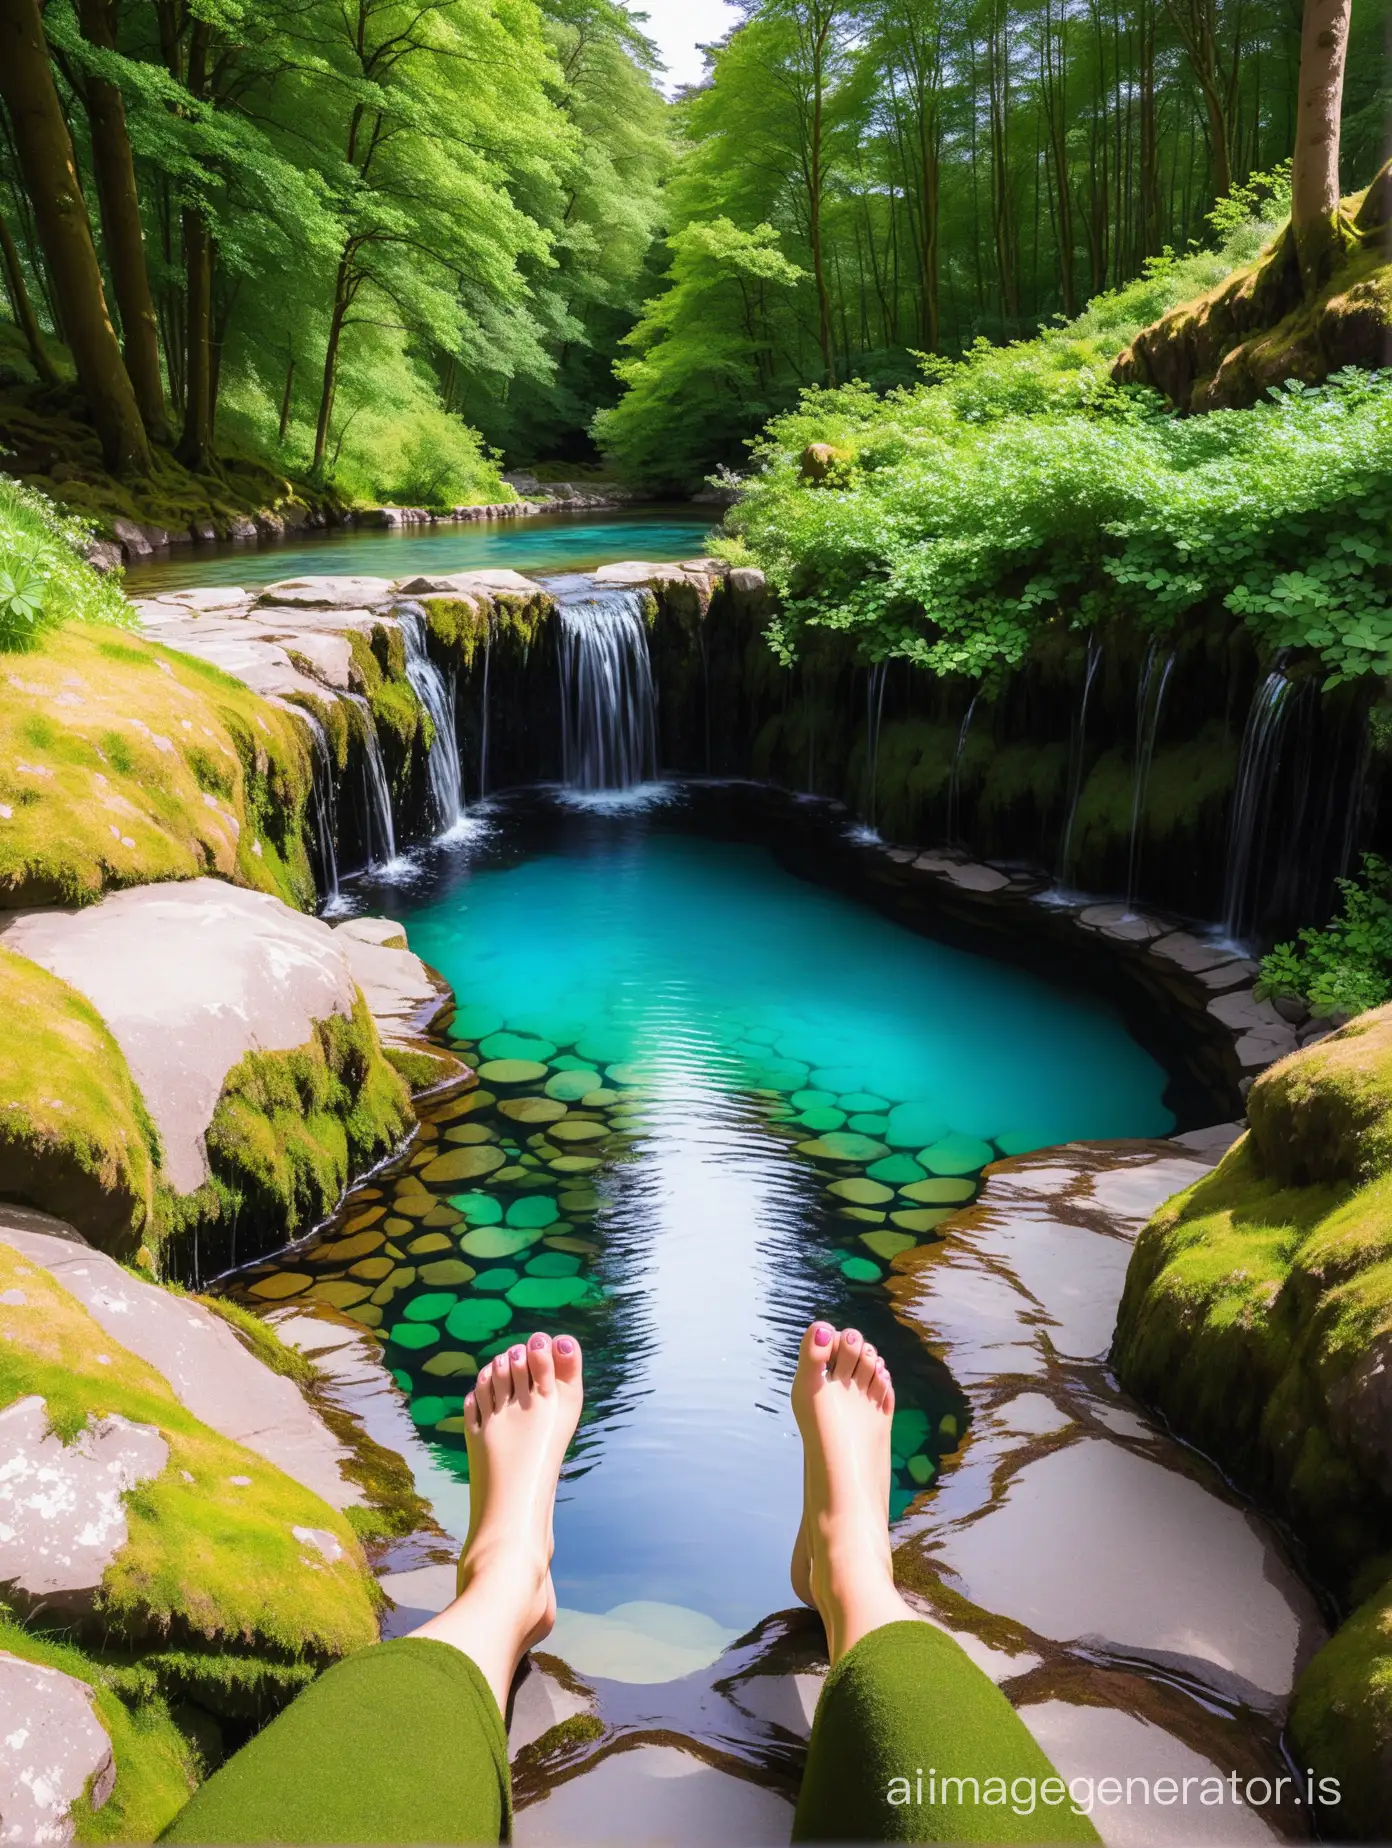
column 785, row 1088
column 547, row 542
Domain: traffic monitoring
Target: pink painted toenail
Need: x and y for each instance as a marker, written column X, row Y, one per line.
column 565, row 1345
column 519, row 1354
column 537, row 1342
column 821, row 1335
column 851, row 1338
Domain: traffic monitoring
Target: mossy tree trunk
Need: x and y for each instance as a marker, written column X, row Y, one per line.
column 65, row 234
column 1315, row 218
column 122, row 231
column 23, row 308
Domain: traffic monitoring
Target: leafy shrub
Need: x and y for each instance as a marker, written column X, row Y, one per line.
column 1347, row 966
column 44, row 575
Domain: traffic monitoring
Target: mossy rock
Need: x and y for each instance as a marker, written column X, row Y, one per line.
column 843, row 1146
column 75, row 1138
column 127, row 738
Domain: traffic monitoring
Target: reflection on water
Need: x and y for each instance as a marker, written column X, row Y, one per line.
column 546, row 542
column 712, row 1102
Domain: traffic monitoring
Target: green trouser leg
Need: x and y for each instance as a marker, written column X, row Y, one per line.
column 403, row 1743
column 913, row 1743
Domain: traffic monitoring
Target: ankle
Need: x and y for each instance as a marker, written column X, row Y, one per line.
column 510, row 1569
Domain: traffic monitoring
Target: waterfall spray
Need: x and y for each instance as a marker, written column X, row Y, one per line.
column 437, row 696
column 1150, row 699
column 608, row 699
column 955, row 785
column 324, row 795
column 379, row 829
column 1079, row 762
column 1257, row 764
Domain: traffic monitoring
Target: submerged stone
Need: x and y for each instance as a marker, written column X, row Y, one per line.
column 957, row 1155
column 568, row 1062
column 475, row 1023
column 843, row 1145
column 447, row 1271
column 855, row 1102
column 920, row 1218
column 507, row 1046
column 914, row 1125
column 887, row 1245
column 413, row 1334
column 814, row 1100
column 570, row 1085
column 627, row 1074
column 497, row 1282
column 532, row 1109
column 577, row 1245
column 496, row 1241
column 450, row 1364
column 464, row 1106
column 922, row 1469
column 280, row 1284
column 861, row 1192
column 860, row 1270
column 896, row 1170
column 340, row 1292
column 464, row 1164
column 480, row 1209
column 836, row 1078
column 431, row 1241
column 512, row 1071
column 477, row 1318
column 553, row 1264
column 428, row 1410
column 548, row 1292
column 578, row 1129
column 869, row 1125
column 342, row 1250
column 467, row 1134
column 822, row 1118
column 432, row 1307
column 939, row 1191
column 576, row 1164
column 537, row 1210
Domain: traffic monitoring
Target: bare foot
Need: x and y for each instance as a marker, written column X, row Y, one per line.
column 518, row 1423
column 843, row 1400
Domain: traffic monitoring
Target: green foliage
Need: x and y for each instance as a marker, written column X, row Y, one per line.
column 1347, row 966
column 44, row 574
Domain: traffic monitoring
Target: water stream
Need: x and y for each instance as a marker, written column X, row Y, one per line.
column 874, row 716
column 1257, row 765
column 608, row 700
column 954, row 788
column 1078, row 763
column 436, row 694
column 1150, row 702
column 379, row 827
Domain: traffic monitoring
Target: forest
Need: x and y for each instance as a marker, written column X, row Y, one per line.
column 392, row 247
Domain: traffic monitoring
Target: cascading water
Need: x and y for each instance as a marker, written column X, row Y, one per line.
column 608, row 698
column 436, row 694
column 1078, row 764
column 483, row 727
column 874, row 713
column 1150, row 700
column 954, row 788
column 324, row 795
column 1257, row 765
column 379, row 830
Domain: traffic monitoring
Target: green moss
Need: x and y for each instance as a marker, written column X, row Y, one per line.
column 75, row 1137
column 121, row 751
column 261, row 1340
column 156, row 1767
column 207, row 1556
column 399, row 715
column 459, row 624
column 1257, row 1316
column 421, row 1067
column 291, row 1127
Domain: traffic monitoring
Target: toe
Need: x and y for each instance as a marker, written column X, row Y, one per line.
column 541, row 1364
column 847, row 1356
column 483, row 1391
column 519, row 1377
column 473, row 1422
column 568, row 1360
column 818, row 1348
column 865, row 1367
column 880, row 1385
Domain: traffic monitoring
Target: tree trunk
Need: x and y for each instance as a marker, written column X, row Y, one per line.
column 195, row 449
column 25, row 318
column 1315, row 173
column 122, row 231
column 287, row 396
column 326, row 395
column 814, row 203
column 50, row 176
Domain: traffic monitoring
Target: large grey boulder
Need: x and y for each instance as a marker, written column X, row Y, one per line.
column 62, row 1508
column 328, row 592
column 190, row 977
column 209, row 1371
column 399, row 990
column 53, row 1748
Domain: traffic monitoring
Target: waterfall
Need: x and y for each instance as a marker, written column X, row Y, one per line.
column 483, row 728
column 874, row 712
column 1078, row 764
column 954, row 786
column 1251, row 803
column 608, row 699
column 1150, row 699
column 379, row 829
column 324, row 795
column 442, row 766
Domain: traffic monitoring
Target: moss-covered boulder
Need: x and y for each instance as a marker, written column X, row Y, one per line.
column 1257, row 1316
column 122, row 762
column 1257, row 329
column 75, row 1137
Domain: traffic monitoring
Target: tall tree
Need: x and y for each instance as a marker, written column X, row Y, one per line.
column 1315, row 170
column 49, row 168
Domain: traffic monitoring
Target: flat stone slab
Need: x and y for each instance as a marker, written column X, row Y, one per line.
column 399, row 990
column 974, row 878
column 635, row 573
column 494, row 584
column 62, row 1516
column 1244, row 1013
column 208, row 1369
column 238, row 972
column 52, row 1749
column 328, row 591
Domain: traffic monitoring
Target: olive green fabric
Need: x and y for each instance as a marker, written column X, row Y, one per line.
column 402, row 1743
column 908, row 1701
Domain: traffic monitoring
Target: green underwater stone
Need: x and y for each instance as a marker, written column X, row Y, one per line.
column 553, row 1264
column 821, row 1118
column 534, row 1213
column 947, row 1428
column 548, row 1292
column 868, row 1125
column 1024, row 1141
column 433, row 1307
column 843, row 1145
column 477, row 1318
column 899, row 1502
column 627, row 1074
column 781, row 1075
column 913, row 1126
column 516, row 1046
column 939, row 1191
column 402, row 1379
column 887, row 1245
column 866, row 1215
column 920, row 1218
column 496, row 1241
column 813, row 1100
column 956, row 1155
column 922, row 1469
column 860, row 1270
column 413, row 1334
column 855, row 1101
column 836, row 1078
column 497, row 1281
column 474, row 1023
column 429, row 1410
column 896, row 1170
column 567, row 1062
column 602, row 1048
column 512, row 1071
column 907, row 1430
column 579, row 1200
column 861, row 1192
